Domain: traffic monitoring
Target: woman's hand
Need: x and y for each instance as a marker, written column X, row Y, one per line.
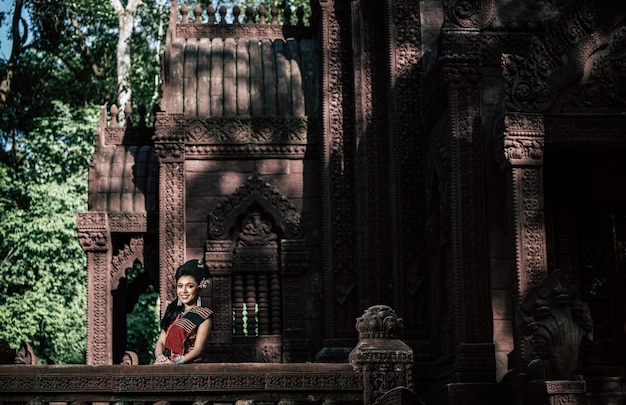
column 162, row 359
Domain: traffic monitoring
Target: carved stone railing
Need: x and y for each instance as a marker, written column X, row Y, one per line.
column 225, row 383
column 379, row 372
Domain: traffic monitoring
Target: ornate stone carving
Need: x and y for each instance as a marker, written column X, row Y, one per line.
column 383, row 359
column 557, row 320
column 256, row 130
column 254, row 190
column 171, row 227
column 204, row 380
column 134, row 223
column 469, row 13
column 91, row 221
column 124, row 259
column 338, row 178
column 128, row 136
column 405, row 86
column 585, row 43
column 93, row 233
column 241, row 31
column 99, row 343
column 379, row 321
column 256, row 231
column 522, row 146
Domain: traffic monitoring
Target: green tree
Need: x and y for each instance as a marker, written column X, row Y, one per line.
column 42, row 277
column 61, row 69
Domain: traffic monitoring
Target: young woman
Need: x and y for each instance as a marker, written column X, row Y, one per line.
column 185, row 325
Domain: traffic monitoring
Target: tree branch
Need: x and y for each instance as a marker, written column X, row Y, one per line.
column 84, row 49
column 6, row 84
column 117, row 6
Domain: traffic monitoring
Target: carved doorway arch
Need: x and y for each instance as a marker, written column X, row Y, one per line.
column 254, row 254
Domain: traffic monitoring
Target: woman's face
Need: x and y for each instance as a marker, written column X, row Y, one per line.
column 187, row 290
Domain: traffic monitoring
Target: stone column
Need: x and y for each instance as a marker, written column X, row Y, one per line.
column 469, row 290
column 95, row 239
column 170, row 149
column 384, row 361
column 294, row 261
column 337, row 154
column 522, row 146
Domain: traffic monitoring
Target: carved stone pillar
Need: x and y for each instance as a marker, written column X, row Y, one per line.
column 294, row 261
column 384, row 360
column 170, row 150
column 338, row 211
column 522, row 146
column 218, row 260
column 468, row 289
column 95, row 239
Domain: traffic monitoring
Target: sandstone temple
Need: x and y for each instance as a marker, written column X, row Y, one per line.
column 398, row 202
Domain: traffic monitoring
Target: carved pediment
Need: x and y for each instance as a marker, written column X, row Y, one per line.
column 255, row 191
column 579, row 63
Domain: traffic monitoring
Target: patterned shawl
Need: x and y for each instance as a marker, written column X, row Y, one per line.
column 184, row 326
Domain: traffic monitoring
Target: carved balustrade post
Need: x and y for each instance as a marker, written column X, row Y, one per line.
column 169, row 145
column 95, row 239
column 384, row 360
column 522, row 147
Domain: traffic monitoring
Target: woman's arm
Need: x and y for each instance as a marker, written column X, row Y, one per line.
column 159, row 357
column 201, row 337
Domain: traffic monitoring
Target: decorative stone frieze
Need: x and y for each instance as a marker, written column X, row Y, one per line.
column 127, row 222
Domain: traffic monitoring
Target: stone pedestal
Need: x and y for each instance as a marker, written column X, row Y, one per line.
column 384, row 360
column 557, row 393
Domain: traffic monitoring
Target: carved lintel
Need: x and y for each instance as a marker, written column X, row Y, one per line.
column 91, row 221
column 128, row 222
column 240, row 130
column 255, row 259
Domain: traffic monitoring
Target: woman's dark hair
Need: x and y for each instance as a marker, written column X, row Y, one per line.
column 193, row 268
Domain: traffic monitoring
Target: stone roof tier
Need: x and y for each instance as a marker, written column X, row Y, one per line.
column 250, row 68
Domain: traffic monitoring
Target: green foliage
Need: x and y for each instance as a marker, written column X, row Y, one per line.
column 66, row 70
column 143, row 326
column 42, row 272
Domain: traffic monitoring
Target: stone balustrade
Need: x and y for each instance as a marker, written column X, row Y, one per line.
column 379, row 357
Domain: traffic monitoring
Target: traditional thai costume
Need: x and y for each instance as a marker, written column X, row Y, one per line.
column 181, row 334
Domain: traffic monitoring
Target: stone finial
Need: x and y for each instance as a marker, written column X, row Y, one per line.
column 379, row 321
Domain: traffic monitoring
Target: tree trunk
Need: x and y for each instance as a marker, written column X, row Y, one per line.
column 126, row 18
column 16, row 50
